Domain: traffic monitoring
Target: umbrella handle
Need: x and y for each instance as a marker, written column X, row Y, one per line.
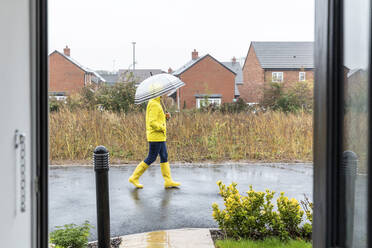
column 164, row 107
column 166, row 111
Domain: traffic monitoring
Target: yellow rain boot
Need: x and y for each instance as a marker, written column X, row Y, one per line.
column 140, row 169
column 168, row 182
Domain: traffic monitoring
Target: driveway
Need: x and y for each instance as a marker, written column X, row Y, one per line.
column 72, row 194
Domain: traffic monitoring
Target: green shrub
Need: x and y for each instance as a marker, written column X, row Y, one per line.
column 225, row 108
column 71, row 236
column 290, row 216
column 253, row 216
column 75, row 102
column 54, row 104
column 117, row 98
column 291, row 97
column 272, row 93
column 209, row 108
column 87, row 97
column 234, row 107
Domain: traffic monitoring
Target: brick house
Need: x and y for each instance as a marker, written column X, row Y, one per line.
column 67, row 76
column 205, row 77
column 275, row 62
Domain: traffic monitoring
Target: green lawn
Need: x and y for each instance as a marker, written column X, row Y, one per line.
column 267, row 243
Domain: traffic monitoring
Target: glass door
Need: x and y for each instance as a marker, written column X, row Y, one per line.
column 342, row 124
column 354, row 163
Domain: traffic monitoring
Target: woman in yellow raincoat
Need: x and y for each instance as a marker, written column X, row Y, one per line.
column 156, row 132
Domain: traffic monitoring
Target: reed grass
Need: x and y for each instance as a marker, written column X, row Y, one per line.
column 191, row 137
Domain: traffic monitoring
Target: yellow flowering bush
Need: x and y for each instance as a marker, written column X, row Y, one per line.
column 253, row 216
column 290, row 215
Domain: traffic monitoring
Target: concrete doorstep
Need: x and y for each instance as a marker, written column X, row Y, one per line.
column 177, row 238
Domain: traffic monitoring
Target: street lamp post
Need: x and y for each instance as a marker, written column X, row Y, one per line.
column 134, row 56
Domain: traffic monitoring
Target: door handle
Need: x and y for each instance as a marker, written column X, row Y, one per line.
column 20, row 146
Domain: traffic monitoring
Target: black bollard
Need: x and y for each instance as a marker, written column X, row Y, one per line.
column 101, row 168
column 348, row 174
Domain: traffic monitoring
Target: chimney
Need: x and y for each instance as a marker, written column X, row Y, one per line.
column 233, row 60
column 66, row 51
column 194, row 55
column 170, row 70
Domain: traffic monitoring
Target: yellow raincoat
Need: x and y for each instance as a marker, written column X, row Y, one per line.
column 155, row 121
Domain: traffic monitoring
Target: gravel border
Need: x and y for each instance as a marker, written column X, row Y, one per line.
column 217, row 234
column 115, row 243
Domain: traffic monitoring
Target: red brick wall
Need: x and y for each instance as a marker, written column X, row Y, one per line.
column 289, row 76
column 64, row 76
column 253, row 78
column 206, row 77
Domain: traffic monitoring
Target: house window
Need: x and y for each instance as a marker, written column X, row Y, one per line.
column 277, row 77
column 302, row 76
column 203, row 102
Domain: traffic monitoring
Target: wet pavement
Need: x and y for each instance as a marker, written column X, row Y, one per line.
column 72, row 194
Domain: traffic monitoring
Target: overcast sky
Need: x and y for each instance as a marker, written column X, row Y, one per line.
column 356, row 33
column 166, row 31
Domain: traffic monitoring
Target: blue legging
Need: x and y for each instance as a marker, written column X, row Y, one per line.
column 156, row 148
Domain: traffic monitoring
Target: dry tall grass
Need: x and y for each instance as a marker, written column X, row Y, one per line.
column 191, row 137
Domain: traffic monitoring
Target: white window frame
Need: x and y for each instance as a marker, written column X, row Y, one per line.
column 304, row 76
column 275, row 76
column 61, row 98
column 211, row 100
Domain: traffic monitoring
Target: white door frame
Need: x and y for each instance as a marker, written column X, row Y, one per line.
column 24, row 107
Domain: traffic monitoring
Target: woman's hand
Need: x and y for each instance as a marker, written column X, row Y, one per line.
column 167, row 115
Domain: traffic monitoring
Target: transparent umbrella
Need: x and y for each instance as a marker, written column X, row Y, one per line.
column 155, row 86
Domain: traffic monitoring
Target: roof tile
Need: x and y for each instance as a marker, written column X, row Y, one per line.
column 285, row 55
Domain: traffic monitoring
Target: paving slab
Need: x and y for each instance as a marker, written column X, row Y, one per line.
column 179, row 238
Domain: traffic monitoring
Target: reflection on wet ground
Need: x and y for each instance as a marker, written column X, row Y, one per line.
column 157, row 239
column 72, row 194
column 179, row 238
